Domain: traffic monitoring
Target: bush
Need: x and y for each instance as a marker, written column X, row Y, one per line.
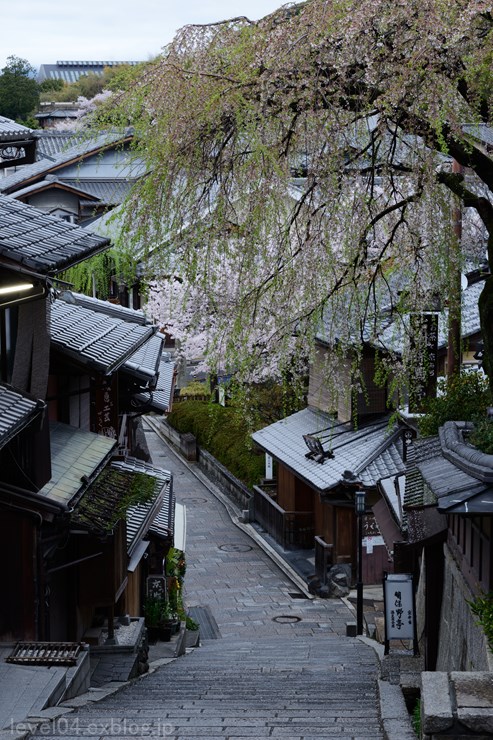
column 482, row 436
column 224, row 433
column 464, row 397
column 482, row 608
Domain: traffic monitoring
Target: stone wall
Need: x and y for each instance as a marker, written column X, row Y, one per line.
column 462, row 644
column 234, row 488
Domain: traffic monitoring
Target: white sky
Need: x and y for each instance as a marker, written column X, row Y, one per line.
column 46, row 31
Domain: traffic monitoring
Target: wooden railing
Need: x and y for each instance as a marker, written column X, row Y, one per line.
column 291, row 529
column 324, row 558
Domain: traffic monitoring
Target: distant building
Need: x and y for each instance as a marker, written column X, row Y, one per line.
column 71, row 71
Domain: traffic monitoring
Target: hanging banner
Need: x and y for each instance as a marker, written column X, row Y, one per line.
column 400, row 609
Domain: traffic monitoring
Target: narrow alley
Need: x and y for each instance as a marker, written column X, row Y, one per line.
column 272, row 663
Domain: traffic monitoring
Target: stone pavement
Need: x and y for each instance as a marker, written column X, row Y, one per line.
column 278, row 664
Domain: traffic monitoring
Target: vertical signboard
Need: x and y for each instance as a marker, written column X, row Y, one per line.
column 105, row 408
column 400, row 609
column 269, row 469
column 425, row 347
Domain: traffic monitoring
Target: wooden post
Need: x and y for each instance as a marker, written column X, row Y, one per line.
column 454, row 349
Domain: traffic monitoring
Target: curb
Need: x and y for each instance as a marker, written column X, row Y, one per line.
column 232, row 511
column 395, row 719
column 396, row 722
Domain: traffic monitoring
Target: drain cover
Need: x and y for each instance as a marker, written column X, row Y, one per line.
column 235, row 547
column 297, row 595
column 286, row 619
column 193, row 499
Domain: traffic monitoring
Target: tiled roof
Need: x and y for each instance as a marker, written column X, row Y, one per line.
column 389, row 331
column 52, row 182
column 111, row 309
column 422, row 450
column 469, row 314
column 106, row 500
column 51, row 143
column 144, row 363
column 163, row 525
column 76, row 456
column 17, row 409
column 108, row 191
column 40, row 242
column 160, row 399
column 434, row 479
column 104, row 193
column 370, row 452
column 141, row 518
column 94, row 338
column 389, row 459
column 39, row 169
column 10, row 130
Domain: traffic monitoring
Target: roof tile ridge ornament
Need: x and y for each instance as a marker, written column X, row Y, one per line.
column 464, row 456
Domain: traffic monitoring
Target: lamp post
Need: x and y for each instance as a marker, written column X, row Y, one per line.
column 360, row 507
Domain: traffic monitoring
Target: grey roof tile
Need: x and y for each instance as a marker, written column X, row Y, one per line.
column 144, row 363
column 16, row 410
column 74, row 453
column 51, row 182
column 109, row 192
column 39, row 169
column 360, row 451
column 142, row 516
column 94, row 338
column 433, row 479
column 51, row 143
column 103, row 503
column 10, row 130
column 41, row 242
column 389, row 331
column 106, row 307
column 160, row 399
column 163, row 524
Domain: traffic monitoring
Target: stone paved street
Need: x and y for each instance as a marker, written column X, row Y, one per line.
column 280, row 667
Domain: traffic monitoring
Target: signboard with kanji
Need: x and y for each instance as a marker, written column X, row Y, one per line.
column 104, row 416
column 400, row 610
column 156, row 587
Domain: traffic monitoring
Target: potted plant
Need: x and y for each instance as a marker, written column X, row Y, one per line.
column 160, row 619
column 152, row 612
column 169, row 621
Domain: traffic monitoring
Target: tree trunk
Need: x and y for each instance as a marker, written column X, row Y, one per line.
column 486, row 320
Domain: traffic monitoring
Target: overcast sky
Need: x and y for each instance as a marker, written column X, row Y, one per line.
column 46, row 31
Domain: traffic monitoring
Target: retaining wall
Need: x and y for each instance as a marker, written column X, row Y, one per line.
column 186, row 443
column 462, row 644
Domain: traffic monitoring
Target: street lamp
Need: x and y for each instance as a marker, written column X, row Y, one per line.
column 360, row 507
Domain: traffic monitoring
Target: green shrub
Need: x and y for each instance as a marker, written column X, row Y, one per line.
column 224, row 433
column 191, row 624
column 482, row 436
column 482, row 608
column 195, row 389
column 464, row 397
